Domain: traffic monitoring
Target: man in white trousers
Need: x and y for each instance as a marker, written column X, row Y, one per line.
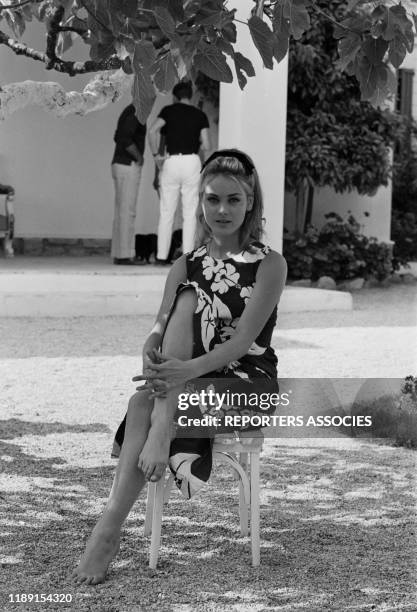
column 186, row 129
column 126, row 167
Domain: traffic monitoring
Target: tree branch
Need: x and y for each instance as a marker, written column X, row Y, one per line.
column 78, row 31
column 103, row 89
column 19, row 4
column 67, row 67
column 52, row 37
column 336, row 23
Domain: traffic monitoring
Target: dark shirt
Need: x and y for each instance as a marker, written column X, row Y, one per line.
column 183, row 125
column 129, row 131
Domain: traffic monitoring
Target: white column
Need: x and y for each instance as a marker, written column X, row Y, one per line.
column 254, row 120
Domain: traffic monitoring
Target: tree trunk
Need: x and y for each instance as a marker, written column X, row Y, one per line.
column 300, row 197
column 309, row 207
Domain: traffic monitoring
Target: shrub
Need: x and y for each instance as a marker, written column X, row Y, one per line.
column 393, row 417
column 404, row 233
column 338, row 250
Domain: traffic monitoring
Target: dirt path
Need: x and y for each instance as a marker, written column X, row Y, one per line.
column 338, row 531
column 338, row 515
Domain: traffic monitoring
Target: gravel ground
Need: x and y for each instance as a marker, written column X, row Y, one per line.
column 338, row 526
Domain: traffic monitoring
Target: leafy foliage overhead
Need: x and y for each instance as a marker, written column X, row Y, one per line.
column 162, row 41
column 333, row 138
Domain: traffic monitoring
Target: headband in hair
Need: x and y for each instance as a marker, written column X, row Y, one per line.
column 241, row 157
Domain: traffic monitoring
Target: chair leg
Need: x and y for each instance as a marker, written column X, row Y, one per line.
column 156, row 523
column 254, row 508
column 147, row 528
column 243, row 506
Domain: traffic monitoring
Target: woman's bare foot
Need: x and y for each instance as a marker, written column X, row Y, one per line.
column 155, row 453
column 101, row 547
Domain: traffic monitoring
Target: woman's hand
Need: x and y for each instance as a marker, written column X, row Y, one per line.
column 164, row 373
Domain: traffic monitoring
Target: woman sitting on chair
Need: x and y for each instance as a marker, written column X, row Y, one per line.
column 216, row 321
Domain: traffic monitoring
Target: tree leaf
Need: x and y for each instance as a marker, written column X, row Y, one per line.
column 103, row 48
column 263, row 39
column 357, row 23
column 281, row 28
column 371, row 77
column 348, row 48
column 352, row 4
column 165, row 21
column 299, row 19
column 214, row 18
column 225, row 47
column 165, row 75
column 396, row 21
column 375, row 49
column 143, row 94
column 125, row 7
column 211, row 61
column 175, row 7
column 135, row 28
column 242, row 64
column 229, row 32
column 397, row 52
column 144, row 56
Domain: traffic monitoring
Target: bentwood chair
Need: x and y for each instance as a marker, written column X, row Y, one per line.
column 225, row 450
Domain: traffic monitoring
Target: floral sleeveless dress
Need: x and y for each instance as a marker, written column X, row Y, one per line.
column 223, row 287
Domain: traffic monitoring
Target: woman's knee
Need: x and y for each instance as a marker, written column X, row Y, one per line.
column 140, row 403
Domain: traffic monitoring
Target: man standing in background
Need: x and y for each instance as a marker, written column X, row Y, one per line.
column 185, row 128
column 127, row 165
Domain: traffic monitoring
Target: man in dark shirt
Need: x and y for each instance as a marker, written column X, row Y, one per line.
column 185, row 129
column 127, row 165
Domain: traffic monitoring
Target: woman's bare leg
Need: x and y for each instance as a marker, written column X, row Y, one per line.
column 103, row 543
column 146, row 421
column 177, row 342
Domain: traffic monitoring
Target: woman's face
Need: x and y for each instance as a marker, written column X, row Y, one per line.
column 224, row 204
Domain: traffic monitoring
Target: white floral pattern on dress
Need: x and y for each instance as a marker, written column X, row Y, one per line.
column 246, row 292
column 226, row 277
column 210, row 267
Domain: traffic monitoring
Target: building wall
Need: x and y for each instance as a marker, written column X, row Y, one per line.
column 411, row 62
column 60, row 168
column 326, row 200
column 254, row 120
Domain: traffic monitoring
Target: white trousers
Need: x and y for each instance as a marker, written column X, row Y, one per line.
column 180, row 175
column 126, row 185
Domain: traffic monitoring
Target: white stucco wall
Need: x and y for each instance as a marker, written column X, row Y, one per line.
column 411, row 63
column 254, row 120
column 377, row 224
column 60, row 168
column 326, row 200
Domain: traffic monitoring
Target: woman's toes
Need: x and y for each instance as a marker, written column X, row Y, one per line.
column 158, row 472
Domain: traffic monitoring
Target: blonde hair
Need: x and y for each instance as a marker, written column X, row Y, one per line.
column 238, row 166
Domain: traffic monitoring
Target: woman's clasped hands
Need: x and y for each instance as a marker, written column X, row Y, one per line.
column 163, row 373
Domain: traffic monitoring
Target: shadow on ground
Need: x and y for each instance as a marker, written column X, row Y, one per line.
column 338, row 533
